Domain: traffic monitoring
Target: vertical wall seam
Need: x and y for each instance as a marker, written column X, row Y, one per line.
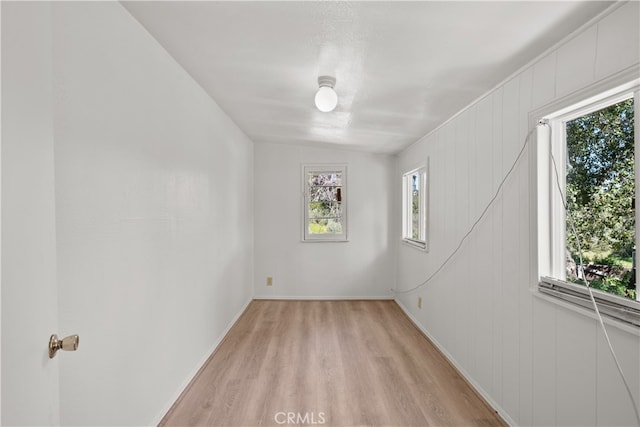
column 595, row 55
column 555, row 73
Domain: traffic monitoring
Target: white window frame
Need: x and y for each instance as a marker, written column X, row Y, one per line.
column 552, row 216
column 327, row 237
column 407, row 208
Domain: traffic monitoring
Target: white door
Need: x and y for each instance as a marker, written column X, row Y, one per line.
column 30, row 391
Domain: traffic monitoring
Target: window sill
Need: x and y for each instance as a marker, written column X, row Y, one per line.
column 324, row 241
column 583, row 306
column 422, row 246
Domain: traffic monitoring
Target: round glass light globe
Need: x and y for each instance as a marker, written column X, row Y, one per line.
column 326, row 99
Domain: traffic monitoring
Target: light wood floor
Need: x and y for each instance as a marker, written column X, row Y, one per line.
column 347, row 363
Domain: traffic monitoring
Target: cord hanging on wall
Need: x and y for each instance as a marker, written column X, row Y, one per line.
column 473, row 226
column 527, row 141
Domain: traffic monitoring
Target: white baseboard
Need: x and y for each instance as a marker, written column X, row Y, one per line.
column 322, row 298
column 198, row 366
column 482, row 392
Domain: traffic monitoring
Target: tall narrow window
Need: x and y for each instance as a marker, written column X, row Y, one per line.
column 414, row 205
column 325, row 203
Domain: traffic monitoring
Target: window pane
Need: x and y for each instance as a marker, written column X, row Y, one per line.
column 324, row 178
column 415, row 206
column 321, row 194
column 600, row 191
column 325, row 210
column 325, row 226
column 413, row 209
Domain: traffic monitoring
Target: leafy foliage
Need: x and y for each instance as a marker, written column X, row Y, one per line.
column 600, row 189
column 613, row 285
column 325, row 203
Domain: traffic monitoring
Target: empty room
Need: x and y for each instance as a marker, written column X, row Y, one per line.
column 308, row 213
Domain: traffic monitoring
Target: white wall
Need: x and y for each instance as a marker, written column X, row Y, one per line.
column 538, row 362
column 154, row 210
column 362, row 267
column 29, row 294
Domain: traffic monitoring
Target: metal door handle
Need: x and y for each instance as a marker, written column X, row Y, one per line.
column 69, row 343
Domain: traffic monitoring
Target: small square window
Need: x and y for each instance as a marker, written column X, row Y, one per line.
column 414, row 207
column 325, row 203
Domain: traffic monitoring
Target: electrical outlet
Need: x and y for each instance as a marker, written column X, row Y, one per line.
column 269, row 281
column 419, row 302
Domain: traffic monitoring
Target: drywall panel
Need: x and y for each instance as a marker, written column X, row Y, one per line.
column 525, row 303
column 496, row 138
column 576, row 59
column 460, row 194
column 451, row 226
column 539, row 362
column 576, row 370
column 474, row 168
column 510, row 241
column 509, row 298
column 482, row 354
column 460, row 144
column 544, row 342
column 618, row 40
column 511, row 142
column 154, row 209
column 362, row 267
column 437, row 191
column 494, row 281
column 618, row 411
column 463, row 294
column 544, row 80
column 483, row 179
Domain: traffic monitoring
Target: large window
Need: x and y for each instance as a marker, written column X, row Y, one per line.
column 325, row 203
column 589, row 194
column 414, row 207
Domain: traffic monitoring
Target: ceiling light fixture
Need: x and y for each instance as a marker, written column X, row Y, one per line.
column 326, row 97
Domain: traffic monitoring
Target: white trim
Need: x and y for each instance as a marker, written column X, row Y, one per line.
column 472, row 382
column 322, row 239
column 323, row 298
column 542, row 236
column 1, row 232
column 557, row 214
column 636, row 128
column 194, row 372
column 416, row 244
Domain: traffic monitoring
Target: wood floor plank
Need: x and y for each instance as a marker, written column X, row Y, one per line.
column 337, row 363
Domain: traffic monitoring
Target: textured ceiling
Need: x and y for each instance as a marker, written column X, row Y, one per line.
column 402, row 68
